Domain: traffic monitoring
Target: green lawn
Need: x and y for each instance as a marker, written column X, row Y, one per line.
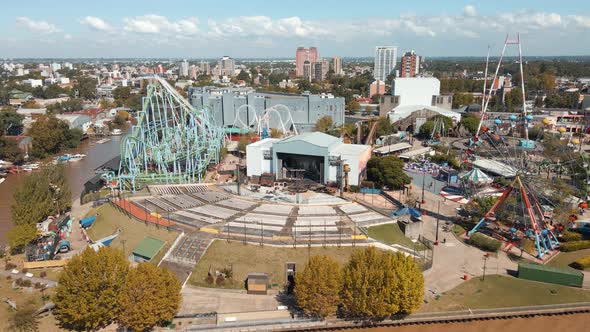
column 564, row 259
column 391, row 234
column 503, row 291
column 132, row 232
column 247, row 258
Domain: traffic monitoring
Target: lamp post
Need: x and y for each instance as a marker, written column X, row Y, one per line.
column 423, row 183
column 437, row 220
column 485, row 260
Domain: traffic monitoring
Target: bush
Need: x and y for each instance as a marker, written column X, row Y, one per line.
column 43, row 274
column 574, row 245
column 24, row 270
column 10, row 266
column 458, row 230
column 26, row 283
column 484, row 242
column 568, row 236
column 581, row 263
column 220, row 280
column 209, row 279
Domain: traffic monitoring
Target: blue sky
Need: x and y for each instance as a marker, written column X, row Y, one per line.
column 256, row 28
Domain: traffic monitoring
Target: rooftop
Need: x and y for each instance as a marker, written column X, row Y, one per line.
column 315, row 138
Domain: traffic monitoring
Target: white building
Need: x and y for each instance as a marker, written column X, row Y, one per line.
column 33, row 83
column 415, row 90
column 184, row 68
column 259, row 157
column 55, row 66
column 227, row 66
column 385, row 59
column 337, row 65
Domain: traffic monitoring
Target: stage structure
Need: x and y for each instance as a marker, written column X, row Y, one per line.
column 172, row 142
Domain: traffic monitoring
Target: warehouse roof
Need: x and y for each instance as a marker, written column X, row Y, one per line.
column 350, row 149
column 404, row 111
column 392, row 148
column 148, row 247
column 315, row 138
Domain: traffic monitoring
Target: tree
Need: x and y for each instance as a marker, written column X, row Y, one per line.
column 150, row 296
column 30, row 104
column 20, row 235
column 377, row 284
column 462, row 99
column 375, row 98
column 317, row 286
column 121, row 93
column 353, row 106
column 86, row 87
column 276, row 133
column 324, row 124
column 384, row 127
column 243, row 75
column 50, row 135
column 11, row 123
column 25, row 319
column 513, row 99
column 470, row 123
column 106, row 103
column 87, row 295
column 427, row 128
column 387, row 171
column 9, row 150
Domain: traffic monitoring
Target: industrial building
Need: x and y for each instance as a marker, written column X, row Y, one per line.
column 313, row 156
column 241, row 107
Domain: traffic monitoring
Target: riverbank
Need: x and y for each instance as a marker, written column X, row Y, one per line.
column 77, row 173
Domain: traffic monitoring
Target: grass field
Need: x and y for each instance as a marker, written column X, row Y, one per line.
column 390, row 234
column 21, row 297
column 132, row 232
column 503, row 291
column 564, row 259
column 247, row 258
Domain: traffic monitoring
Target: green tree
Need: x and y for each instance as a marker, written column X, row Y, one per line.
column 387, row 171
column 86, row 87
column 243, row 75
column 317, row 286
column 122, row 93
column 385, row 127
column 513, row 99
column 20, row 235
column 87, row 295
column 10, row 151
column 24, row 319
column 50, row 135
column 276, row 133
column 11, row 123
column 470, row 123
column 427, row 128
column 150, row 296
column 462, row 99
column 375, row 98
column 409, row 284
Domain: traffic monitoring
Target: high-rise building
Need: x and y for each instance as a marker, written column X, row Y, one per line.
column 410, row 66
column 160, row 69
column 376, row 88
column 307, row 73
column 301, row 55
column 319, row 69
column 192, row 72
column 205, row 68
column 385, row 58
column 227, row 66
column 337, row 65
column 183, row 68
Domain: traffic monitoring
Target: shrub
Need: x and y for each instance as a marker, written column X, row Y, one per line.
column 227, row 272
column 209, row 278
column 568, row 236
column 10, row 266
column 484, row 242
column 38, row 285
column 26, row 283
column 574, row 245
column 43, row 274
column 25, row 270
column 220, row 280
column 581, row 263
column 458, row 230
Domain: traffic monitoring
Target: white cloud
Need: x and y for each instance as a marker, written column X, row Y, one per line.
column 581, row 21
column 96, row 23
column 154, row 24
column 470, row 11
column 266, row 26
column 37, row 26
column 67, row 36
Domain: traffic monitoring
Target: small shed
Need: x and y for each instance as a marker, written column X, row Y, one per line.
column 147, row 249
column 257, row 283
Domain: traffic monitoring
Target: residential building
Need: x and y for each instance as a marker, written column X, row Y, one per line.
column 227, row 66
column 192, row 73
column 303, row 54
column 385, row 59
column 33, row 83
column 205, row 67
column 320, row 70
column 183, row 71
column 55, row 66
column 307, row 71
column 337, row 65
column 410, row 64
column 240, row 107
column 376, row 88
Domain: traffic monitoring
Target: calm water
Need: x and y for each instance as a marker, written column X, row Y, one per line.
column 77, row 172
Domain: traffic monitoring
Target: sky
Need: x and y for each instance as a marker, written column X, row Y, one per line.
column 275, row 28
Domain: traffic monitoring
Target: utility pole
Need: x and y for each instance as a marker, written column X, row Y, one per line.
column 485, row 260
column 423, row 182
column 437, row 220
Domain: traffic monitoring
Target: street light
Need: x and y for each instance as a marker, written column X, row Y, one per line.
column 485, row 260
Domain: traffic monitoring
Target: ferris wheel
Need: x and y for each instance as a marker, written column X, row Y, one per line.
column 539, row 175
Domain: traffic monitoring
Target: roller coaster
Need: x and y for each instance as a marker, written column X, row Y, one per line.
column 172, row 142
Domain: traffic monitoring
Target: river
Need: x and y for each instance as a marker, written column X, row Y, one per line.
column 77, row 173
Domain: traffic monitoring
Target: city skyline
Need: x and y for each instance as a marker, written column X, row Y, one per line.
column 258, row 29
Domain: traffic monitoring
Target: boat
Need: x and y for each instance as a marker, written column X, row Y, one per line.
column 77, row 157
column 87, row 222
column 102, row 141
column 31, row 166
column 2, row 180
column 116, row 132
column 64, row 157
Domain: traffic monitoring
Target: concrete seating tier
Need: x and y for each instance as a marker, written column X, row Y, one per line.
column 210, row 196
column 319, row 210
column 352, row 208
column 214, row 211
column 274, row 209
column 236, row 204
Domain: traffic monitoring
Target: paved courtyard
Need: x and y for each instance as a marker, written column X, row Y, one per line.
column 205, row 300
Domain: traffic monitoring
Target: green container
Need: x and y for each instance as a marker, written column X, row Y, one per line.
column 552, row 275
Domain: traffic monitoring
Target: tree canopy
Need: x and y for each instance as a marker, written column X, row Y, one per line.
column 150, row 296
column 470, row 123
column 318, row 285
column 86, row 297
column 377, row 284
column 427, row 128
column 50, row 135
column 10, row 121
column 387, row 171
